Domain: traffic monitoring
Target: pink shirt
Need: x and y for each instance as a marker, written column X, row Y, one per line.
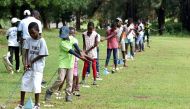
column 112, row 42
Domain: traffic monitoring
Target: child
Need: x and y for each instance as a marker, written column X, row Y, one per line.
column 34, row 61
column 75, row 89
column 66, row 64
column 140, row 41
column 112, row 45
column 90, row 42
column 147, row 29
column 13, row 45
column 130, row 37
column 120, row 30
column 97, row 63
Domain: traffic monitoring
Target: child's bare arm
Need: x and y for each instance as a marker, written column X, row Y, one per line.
column 37, row 58
column 84, row 44
column 80, row 56
column 110, row 36
column 25, row 59
column 77, row 48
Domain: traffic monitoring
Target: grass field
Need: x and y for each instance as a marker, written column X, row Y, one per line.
column 157, row 79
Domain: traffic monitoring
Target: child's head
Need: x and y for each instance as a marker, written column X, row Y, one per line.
column 36, row 14
column 90, row 27
column 72, row 31
column 130, row 21
column 14, row 21
column 64, row 32
column 119, row 21
column 33, row 30
column 114, row 25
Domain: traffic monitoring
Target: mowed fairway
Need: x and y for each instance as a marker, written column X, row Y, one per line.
column 158, row 78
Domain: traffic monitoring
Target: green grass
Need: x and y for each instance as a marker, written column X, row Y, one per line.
column 157, row 79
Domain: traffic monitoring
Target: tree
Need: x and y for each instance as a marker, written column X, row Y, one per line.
column 185, row 13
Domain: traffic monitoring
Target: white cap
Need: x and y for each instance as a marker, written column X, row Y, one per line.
column 119, row 19
column 27, row 12
column 14, row 20
column 126, row 21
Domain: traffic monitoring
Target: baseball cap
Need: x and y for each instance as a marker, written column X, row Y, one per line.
column 14, row 20
column 27, row 12
column 119, row 19
column 64, row 32
column 126, row 21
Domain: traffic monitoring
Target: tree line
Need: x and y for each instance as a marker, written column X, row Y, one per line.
column 65, row 10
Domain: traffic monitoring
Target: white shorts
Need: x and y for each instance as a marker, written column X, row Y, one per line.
column 122, row 46
column 31, row 81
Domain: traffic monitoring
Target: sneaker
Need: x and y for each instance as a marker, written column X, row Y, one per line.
column 36, row 107
column 48, row 95
column 76, row 93
column 94, row 83
column 68, row 98
column 113, row 70
column 20, row 107
column 43, row 82
column 117, row 69
column 106, row 71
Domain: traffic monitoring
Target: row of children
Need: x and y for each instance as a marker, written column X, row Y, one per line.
column 122, row 35
column 35, row 51
column 125, row 33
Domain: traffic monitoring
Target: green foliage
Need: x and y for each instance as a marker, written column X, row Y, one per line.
column 4, row 3
column 173, row 27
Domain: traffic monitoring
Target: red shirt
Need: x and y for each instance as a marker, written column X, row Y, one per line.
column 112, row 42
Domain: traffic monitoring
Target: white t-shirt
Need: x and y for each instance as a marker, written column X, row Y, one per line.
column 23, row 26
column 90, row 41
column 131, row 35
column 141, row 27
column 119, row 32
column 36, row 48
column 12, row 37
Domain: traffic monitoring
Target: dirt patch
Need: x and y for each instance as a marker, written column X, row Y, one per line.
column 142, row 97
column 2, row 31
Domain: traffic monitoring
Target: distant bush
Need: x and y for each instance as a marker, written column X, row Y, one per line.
column 5, row 23
column 171, row 27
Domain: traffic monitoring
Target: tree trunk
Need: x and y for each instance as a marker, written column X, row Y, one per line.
column 13, row 10
column 185, row 15
column 131, row 9
column 57, row 24
column 161, row 19
column 63, row 20
column 45, row 21
column 78, row 15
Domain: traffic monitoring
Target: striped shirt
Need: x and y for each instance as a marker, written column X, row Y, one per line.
column 89, row 42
